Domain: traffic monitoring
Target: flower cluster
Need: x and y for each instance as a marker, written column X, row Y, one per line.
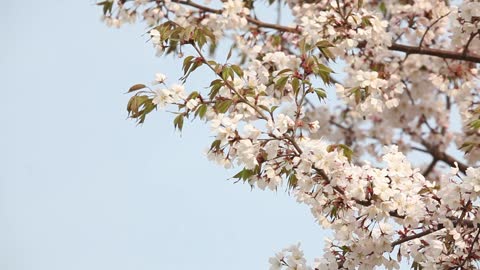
column 411, row 86
column 289, row 258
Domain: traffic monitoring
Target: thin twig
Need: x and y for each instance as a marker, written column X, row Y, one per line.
column 258, row 23
column 430, row 167
column 415, row 236
column 409, row 94
column 227, row 83
column 472, row 35
column 430, row 26
column 471, row 249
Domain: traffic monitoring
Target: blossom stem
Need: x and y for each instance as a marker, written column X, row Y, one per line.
column 429, row 27
column 415, row 236
column 227, row 83
column 475, row 240
column 465, row 49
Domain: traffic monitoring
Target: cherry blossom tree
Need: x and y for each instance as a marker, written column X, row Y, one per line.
column 411, row 86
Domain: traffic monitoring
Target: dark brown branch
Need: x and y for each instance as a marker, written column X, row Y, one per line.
column 467, row 223
column 337, row 124
column 409, row 94
column 465, row 49
column 415, row 236
column 294, row 143
column 430, row 167
column 420, row 149
column 436, row 52
column 436, row 154
column 252, row 20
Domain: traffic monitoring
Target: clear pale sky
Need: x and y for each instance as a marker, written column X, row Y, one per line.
column 82, row 188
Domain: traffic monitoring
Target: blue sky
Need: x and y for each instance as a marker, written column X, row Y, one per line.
column 81, row 187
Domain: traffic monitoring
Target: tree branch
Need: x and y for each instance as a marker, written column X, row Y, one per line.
column 471, row 57
column 436, row 154
column 470, row 249
column 415, row 236
column 252, row 20
column 436, row 52
column 465, row 49
column 430, row 168
column 429, row 27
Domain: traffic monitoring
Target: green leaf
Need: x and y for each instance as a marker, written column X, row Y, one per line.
column 237, row 70
column 333, row 212
column 172, row 46
column 201, row 40
column 139, row 106
column 231, row 73
column 178, row 122
column 276, row 40
column 416, row 266
column 223, row 106
column 475, row 124
column 324, row 44
column 296, row 85
column 327, row 54
column 304, row 46
column 283, row 71
column 281, row 82
column 321, row 93
column 345, row 249
column 229, row 53
column 244, row 174
column 210, row 35
column 107, row 6
column 358, row 93
column 215, row 145
column 323, row 71
column 264, row 108
column 347, row 152
column 136, row 87
column 148, row 106
column 186, row 63
column 383, row 8
column 468, row 147
column 194, row 65
column 202, row 109
column 225, row 73
column 322, row 67
column 211, row 49
column 366, row 20
column 134, row 104
column 193, row 95
column 292, row 181
column 215, row 88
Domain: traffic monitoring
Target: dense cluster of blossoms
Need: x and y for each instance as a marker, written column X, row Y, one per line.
column 411, row 86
